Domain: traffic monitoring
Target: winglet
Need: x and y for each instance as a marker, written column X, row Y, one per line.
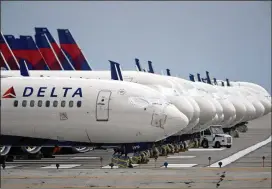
column 214, row 81
column 116, row 73
column 168, row 72
column 23, row 68
column 198, row 77
column 208, row 78
column 192, row 77
column 150, row 67
column 228, row 83
column 138, row 65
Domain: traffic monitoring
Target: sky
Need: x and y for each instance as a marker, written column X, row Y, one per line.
column 230, row 39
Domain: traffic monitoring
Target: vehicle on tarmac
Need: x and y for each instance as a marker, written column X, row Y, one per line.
column 214, row 136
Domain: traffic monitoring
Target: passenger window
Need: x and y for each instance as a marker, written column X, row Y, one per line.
column 63, row 103
column 32, row 103
column 71, row 103
column 78, row 104
column 55, row 103
column 24, row 102
column 207, row 132
column 47, row 103
column 15, row 103
column 40, row 103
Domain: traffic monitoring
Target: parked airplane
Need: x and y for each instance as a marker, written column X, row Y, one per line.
column 84, row 111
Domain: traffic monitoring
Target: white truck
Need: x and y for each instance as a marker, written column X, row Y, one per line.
column 214, row 136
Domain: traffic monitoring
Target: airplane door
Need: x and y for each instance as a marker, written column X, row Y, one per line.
column 102, row 105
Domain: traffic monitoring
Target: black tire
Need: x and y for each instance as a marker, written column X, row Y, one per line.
column 205, row 144
column 228, row 146
column 217, row 145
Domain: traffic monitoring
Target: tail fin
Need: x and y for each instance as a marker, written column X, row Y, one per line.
column 214, row 81
column 47, row 52
column 138, row 65
column 7, row 52
column 23, row 68
column 198, row 77
column 18, row 46
column 228, row 83
column 168, row 72
column 116, row 73
column 3, row 62
column 150, row 67
column 32, row 54
column 64, row 60
column 72, row 50
column 192, row 77
column 208, row 78
column 222, row 83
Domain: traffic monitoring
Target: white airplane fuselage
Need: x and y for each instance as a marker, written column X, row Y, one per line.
column 185, row 104
column 86, row 110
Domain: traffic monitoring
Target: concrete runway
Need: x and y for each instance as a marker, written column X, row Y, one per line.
column 186, row 169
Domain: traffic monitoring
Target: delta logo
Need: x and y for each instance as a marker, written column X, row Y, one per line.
column 10, row 93
column 42, row 91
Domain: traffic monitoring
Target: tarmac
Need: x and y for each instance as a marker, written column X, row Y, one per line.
column 188, row 169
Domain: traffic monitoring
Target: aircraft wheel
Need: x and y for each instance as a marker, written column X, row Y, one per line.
column 31, row 149
column 4, row 150
column 80, row 149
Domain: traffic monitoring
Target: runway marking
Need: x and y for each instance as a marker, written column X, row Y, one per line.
column 9, row 167
column 109, row 167
column 241, row 153
column 205, row 149
column 82, row 157
column 179, row 165
column 181, row 157
column 62, row 166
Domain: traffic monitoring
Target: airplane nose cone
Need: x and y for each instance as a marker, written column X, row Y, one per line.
column 251, row 111
column 175, row 121
column 184, row 106
column 207, row 110
column 267, row 105
column 219, row 111
column 195, row 119
column 259, row 108
column 240, row 110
